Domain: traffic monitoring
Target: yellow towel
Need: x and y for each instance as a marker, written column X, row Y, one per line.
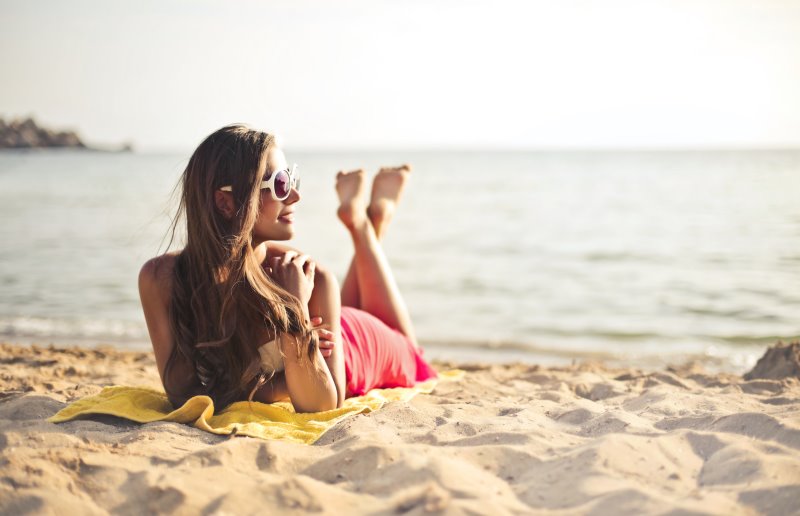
column 267, row 421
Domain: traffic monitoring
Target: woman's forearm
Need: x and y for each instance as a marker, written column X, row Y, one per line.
column 325, row 302
column 274, row 390
column 308, row 380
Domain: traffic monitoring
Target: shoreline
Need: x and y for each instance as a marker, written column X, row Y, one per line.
column 715, row 358
column 507, row 439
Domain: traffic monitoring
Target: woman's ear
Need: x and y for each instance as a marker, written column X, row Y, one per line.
column 224, row 202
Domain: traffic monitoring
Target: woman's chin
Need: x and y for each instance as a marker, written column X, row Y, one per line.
column 286, row 233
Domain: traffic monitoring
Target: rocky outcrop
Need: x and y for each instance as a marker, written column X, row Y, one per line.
column 26, row 134
column 780, row 361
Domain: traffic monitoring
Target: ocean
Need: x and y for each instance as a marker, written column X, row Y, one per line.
column 641, row 258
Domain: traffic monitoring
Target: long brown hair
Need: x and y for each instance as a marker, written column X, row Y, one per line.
column 223, row 304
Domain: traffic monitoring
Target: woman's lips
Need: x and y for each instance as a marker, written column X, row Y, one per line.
column 287, row 218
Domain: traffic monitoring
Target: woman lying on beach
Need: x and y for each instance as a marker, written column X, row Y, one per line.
column 236, row 315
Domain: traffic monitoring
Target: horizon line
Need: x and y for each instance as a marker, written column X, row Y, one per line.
column 503, row 149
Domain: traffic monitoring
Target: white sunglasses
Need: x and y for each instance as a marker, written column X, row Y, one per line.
column 280, row 183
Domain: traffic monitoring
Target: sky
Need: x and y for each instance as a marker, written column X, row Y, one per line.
column 409, row 74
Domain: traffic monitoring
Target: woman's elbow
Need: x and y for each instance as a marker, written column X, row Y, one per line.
column 325, row 278
column 323, row 405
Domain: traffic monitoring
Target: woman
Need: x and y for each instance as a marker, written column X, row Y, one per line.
column 236, row 315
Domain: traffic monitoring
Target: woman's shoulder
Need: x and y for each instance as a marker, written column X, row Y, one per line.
column 155, row 289
column 155, row 277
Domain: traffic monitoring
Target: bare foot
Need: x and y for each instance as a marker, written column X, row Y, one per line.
column 387, row 188
column 352, row 198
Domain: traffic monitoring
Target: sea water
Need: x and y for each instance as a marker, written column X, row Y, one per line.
column 631, row 257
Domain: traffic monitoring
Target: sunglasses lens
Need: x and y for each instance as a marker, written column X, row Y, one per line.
column 282, row 185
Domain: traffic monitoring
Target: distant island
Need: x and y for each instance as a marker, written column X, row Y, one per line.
column 27, row 134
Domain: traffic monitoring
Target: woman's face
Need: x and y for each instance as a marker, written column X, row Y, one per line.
column 275, row 218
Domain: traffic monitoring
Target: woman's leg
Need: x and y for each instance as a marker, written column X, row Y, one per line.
column 371, row 274
column 387, row 188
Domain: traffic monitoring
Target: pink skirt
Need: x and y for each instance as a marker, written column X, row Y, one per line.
column 377, row 356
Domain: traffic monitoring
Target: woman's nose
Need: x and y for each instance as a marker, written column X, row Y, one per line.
column 294, row 196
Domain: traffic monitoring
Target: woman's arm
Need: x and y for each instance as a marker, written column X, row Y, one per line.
column 274, row 390
column 308, row 379
column 325, row 302
column 155, row 289
column 154, row 292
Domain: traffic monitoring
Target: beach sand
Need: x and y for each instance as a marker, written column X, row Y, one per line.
column 507, row 439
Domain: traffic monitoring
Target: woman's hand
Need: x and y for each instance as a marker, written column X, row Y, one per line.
column 326, row 337
column 294, row 273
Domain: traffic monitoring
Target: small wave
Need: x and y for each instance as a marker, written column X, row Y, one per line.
column 667, row 339
column 514, row 347
column 622, row 257
column 59, row 330
column 745, row 315
column 618, row 335
column 758, row 339
column 714, row 354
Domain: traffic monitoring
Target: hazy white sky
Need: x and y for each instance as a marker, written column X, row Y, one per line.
column 404, row 74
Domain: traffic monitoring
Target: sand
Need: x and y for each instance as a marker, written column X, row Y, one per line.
column 510, row 439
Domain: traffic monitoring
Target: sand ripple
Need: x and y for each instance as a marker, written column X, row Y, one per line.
column 512, row 439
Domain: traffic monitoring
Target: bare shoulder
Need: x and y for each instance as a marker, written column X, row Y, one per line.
column 160, row 267
column 155, row 289
column 155, row 277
